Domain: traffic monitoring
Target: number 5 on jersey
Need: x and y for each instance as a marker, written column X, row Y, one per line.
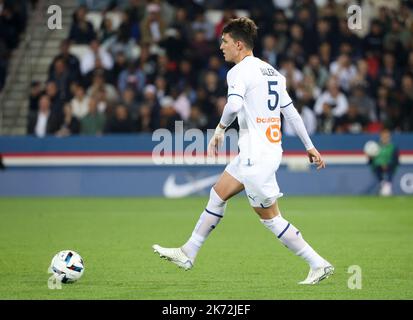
column 273, row 132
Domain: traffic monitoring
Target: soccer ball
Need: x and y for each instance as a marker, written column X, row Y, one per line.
column 69, row 263
column 371, row 148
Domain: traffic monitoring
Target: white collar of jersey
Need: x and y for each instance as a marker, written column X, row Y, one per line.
column 250, row 55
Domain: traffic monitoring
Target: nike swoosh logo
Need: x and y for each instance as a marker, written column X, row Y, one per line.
column 173, row 190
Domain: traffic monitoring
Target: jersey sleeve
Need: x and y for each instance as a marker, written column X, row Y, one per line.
column 285, row 99
column 236, row 84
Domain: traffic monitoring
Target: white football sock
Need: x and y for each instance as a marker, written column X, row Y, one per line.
column 207, row 222
column 293, row 240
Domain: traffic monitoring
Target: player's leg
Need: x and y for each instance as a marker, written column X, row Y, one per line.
column 226, row 187
column 288, row 234
column 292, row 238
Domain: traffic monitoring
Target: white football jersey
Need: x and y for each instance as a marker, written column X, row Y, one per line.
column 263, row 90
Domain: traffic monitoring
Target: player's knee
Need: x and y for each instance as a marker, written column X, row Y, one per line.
column 215, row 197
column 215, row 203
column 218, row 194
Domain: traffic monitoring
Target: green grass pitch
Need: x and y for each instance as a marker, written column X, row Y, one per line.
column 240, row 260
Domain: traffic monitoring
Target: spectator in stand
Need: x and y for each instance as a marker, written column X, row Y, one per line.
column 389, row 112
column 317, row 70
column 280, row 28
column 383, row 103
column 81, row 31
column 296, row 53
column 202, row 25
column 344, row 71
column 334, row 98
column 120, row 64
column 148, row 63
column 216, row 65
column 144, row 121
column 168, row 114
column 69, row 125
column 347, row 36
column 152, row 26
column 122, row 41
column 307, row 89
column 292, row 74
column 186, row 75
column 95, row 51
column 201, row 49
column 196, row 119
column 35, row 94
column 129, row 101
column 102, row 102
column 214, row 88
column 56, row 103
column 325, row 54
column 162, row 88
column 173, row 44
column 325, row 34
column 63, row 79
column 326, row 121
column 106, row 30
column 181, row 103
column 151, row 100
column 365, row 105
column 398, row 38
column 373, row 42
column 44, row 122
column 99, row 83
column 166, row 69
column 71, row 61
column 352, row 122
column 205, row 102
column 389, row 74
column 363, row 77
column 269, row 52
column 93, row 122
column 120, row 122
column 132, row 77
column 181, row 23
column 108, row 75
column 80, row 102
column 136, row 12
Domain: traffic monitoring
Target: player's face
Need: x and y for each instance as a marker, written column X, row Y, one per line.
column 229, row 47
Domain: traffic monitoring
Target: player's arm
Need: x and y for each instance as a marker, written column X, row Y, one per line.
column 291, row 115
column 231, row 109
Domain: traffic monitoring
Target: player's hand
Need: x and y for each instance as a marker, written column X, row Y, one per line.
column 315, row 157
column 216, row 141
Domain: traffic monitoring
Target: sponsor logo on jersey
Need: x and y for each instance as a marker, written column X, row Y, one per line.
column 268, row 120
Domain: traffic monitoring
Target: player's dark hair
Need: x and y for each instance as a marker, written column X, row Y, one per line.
column 242, row 29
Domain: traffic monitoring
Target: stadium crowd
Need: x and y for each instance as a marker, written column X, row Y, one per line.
column 162, row 64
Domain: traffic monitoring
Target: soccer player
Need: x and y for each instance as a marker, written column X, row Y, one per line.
column 256, row 95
